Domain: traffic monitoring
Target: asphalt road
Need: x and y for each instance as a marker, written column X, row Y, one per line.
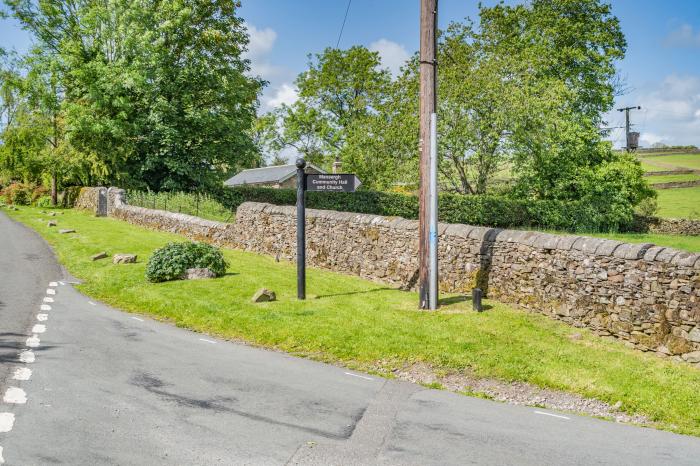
column 111, row 388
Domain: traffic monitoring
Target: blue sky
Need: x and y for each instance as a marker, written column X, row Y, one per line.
column 662, row 66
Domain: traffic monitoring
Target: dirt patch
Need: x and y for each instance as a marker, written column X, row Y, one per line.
column 517, row 393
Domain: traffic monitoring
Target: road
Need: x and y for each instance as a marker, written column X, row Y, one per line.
column 112, row 388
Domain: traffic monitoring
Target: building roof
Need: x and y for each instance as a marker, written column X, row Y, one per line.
column 274, row 174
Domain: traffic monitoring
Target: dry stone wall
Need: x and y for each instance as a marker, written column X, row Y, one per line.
column 647, row 295
column 675, row 226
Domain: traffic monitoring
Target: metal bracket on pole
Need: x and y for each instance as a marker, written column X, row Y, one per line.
column 433, row 216
column 301, row 229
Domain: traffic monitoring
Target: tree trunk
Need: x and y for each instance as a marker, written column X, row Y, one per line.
column 54, row 189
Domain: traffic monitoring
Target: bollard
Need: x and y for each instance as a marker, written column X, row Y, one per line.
column 476, row 299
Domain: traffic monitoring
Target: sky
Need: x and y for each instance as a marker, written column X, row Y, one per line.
column 661, row 67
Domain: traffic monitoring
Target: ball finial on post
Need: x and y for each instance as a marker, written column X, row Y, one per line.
column 301, row 163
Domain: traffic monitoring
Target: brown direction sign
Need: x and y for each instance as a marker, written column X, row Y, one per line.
column 333, row 182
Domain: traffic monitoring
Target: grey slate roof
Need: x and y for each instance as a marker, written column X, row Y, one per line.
column 275, row 174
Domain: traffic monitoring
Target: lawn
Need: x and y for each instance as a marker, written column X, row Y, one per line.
column 368, row 326
column 686, row 243
column 691, row 161
column 679, row 202
column 672, row 178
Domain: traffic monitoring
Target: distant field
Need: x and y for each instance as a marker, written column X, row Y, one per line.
column 670, row 162
column 686, row 243
column 673, row 178
column 679, row 202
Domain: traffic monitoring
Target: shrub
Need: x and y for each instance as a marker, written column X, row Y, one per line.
column 172, row 260
column 70, row 197
column 43, row 202
column 18, row 193
column 39, row 191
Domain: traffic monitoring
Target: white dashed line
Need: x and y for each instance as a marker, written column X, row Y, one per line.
column 39, row 328
column 136, row 318
column 45, row 307
column 15, row 395
column 552, row 415
column 27, row 356
column 7, row 420
column 62, row 283
column 50, row 291
column 48, row 300
column 91, row 303
column 2, row 460
column 33, row 341
column 360, row 376
column 53, row 284
column 208, row 341
column 22, row 373
column 42, row 317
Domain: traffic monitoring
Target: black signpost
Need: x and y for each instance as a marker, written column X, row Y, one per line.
column 320, row 182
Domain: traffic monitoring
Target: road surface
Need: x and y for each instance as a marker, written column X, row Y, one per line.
column 112, row 388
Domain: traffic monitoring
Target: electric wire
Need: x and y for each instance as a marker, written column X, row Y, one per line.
column 342, row 27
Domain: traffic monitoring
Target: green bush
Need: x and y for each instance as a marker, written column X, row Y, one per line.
column 487, row 210
column 43, row 202
column 18, row 194
column 172, row 260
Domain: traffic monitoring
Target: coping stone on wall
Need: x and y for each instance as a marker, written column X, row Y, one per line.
column 632, row 251
column 652, row 252
column 667, row 255
column 455, row 229
column 565, row 243
column 607, row 247
column 685, row 259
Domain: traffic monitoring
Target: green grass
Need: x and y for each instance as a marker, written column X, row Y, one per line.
column 368, row 326
column 691, row 161
column 672, row 178
column 199, row 205
column 679, row 202
column 686, row 243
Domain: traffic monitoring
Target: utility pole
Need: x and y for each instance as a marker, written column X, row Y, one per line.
column 428, row 105
column 631, row 142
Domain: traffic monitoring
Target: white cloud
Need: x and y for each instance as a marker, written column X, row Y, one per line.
column 393, row 55
column 684, row 36
column 284, row 94
column 260, row 42
column 670, row 112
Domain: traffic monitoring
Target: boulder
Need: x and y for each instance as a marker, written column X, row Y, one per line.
column 264, row 295
column 99, row 255
column 198, row 274
column 64, row 232
column 124, row 258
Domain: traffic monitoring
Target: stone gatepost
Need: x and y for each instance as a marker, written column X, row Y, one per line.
column 101, row 210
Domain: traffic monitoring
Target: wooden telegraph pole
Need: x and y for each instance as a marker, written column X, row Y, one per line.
column 428, row 105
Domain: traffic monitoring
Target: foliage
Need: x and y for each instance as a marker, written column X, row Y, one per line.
column 172, row 260
column 199, row 205
column 154, row 93
column 70, row 196
column 18, row 194
column 42, row 202
column 365, row 326
column 486, row 210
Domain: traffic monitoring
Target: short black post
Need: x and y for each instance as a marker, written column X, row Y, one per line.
column 476, row 300
column 301, row 230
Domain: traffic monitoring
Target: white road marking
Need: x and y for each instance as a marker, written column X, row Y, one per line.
column 48, row 300
column 553, row 415
column 42, row 317
column 91, row 303
column 33, row 341
column 39, row 328
column 50, row 291
column 53, row 284
column 62, row 283
column 22, row 373
column 360, row 376
column 136, row 318
column 7, row 420
column 27, row 356
column 2, row 460
column 15, row 395
column 208, row 341
column 45, row 307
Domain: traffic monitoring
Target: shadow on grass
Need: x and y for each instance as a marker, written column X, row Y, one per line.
column 461, row 299
column 373, row 290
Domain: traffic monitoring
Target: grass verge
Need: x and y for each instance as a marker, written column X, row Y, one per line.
column 684, row 242
column 364, row 325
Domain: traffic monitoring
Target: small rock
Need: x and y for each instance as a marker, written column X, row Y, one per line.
column 264, row 295
column 694, row 335
column 99, row 255
column 692, row 358
column 617, row 406
column 52, row 224
column 124, row 258
column 52, row 214
column 198, row 274
column 63, row 232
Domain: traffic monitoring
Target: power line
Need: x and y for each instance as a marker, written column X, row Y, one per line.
column 345, row 18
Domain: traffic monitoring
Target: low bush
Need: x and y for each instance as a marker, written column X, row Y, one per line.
column 172, row 260
column 38, row 192
column 487, row 210
column 43, row 202
column 18, row 194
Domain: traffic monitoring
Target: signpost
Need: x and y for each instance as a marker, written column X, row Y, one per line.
column 319, row 182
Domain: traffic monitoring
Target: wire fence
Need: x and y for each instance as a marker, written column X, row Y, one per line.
column 199, row 205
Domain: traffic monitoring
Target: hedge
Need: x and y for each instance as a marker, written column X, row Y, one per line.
column 487, row 210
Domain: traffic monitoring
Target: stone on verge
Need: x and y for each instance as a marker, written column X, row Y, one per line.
column 264, row 295
column 198, row 274
column 692, row 358
column 52, row 224
column 99, row 255
column 64, row 232
column 124, row 258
